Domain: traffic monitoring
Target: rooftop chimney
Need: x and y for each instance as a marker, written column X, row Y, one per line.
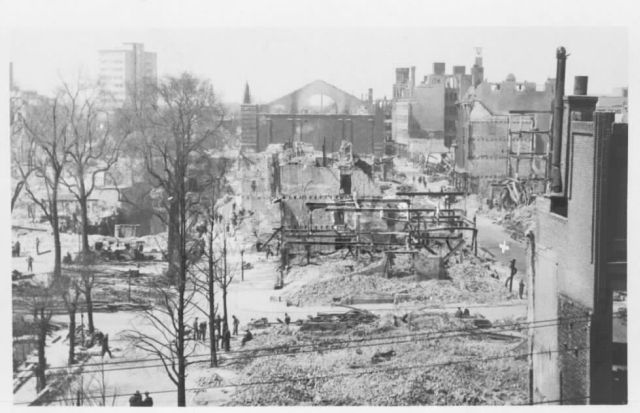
column 459, row 70
column 556, row 176
column 580, row 85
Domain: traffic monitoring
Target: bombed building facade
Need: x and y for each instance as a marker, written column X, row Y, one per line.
column 503, row 132
column 425, row 115
column 319, row 114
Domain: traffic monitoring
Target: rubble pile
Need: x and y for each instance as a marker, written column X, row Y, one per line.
column 337, row 321
column 355, row 373
column 517, row 221
column 470, row 280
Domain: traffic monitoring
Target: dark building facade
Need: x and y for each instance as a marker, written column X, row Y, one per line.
column 578, row 266
column 319, row 114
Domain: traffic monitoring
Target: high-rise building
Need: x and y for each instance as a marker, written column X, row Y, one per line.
column 124, row 72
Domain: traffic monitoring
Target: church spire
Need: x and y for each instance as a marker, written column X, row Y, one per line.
column 247, row 95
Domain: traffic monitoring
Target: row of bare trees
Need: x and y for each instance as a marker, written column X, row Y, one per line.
column 63, row 141
column 175, row 137
column 69, row 140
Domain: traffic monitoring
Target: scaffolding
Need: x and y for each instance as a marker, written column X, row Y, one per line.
column 524, row 144
column 409, row 229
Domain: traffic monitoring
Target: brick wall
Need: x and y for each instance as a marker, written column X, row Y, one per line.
column 574, row 354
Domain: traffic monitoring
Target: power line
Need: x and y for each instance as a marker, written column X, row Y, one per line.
column 364, row 339
column 339, row 375
column 411, row 338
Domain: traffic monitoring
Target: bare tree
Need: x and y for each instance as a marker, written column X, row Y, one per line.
column 47, row 126
column 173, row 135
column 40, row 301
column 22, row 149
column 167, row 337
column 85, row 285
column 93, row 151
column 69, row 290
column 224, row 279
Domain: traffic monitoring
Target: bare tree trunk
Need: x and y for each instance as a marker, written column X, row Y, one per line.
column 72, row 333
column 84, row 220
column 211, row 296
column 16, row 193
column 173, row 242
column 55, row 226
column 182, row 281
column 43, row 328
column 224, row 280
column 89, row 301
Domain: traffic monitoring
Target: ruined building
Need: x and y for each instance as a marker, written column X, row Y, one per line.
column 578, row 262
column 503, row 131
column 319, row 114
column 425, row 115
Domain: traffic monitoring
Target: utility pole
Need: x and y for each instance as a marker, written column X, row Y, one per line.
column 242, row 264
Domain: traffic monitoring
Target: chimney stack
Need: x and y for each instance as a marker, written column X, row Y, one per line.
column 459, row 70
column 556, row 175
column 370, row 98
column 580, row 84
column 438, row 68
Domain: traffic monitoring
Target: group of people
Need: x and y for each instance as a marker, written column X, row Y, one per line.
column 137, row 401
column 223, row 334
column 421, row 180
column 462, row 314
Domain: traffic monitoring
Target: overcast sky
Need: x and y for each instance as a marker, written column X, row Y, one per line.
column 276, row 61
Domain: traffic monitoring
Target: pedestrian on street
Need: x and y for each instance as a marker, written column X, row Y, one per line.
column 226, row 335
column 17, row 248
column 37, row 245
column 218, row 325
column 459, row 313
column 29, row 263
column 105, row 346
column 196, row 334
column 203, row 330
column 148, row 401
column 136, row 399
column 287, row 319
column 509, row 280
column 521, row 290
column 236, row 323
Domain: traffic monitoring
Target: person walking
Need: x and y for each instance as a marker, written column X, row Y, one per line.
column 287, row 319
column 37, row 245
column 509, row 280
column 136, row 399
column 203, row 330
column 521, row 289
column 148, row 401
column 196, row 333
column 218, row 325
column 236, row 323
column 29, row 263
column 17, row 248
column 105, row 346
column 226, row 335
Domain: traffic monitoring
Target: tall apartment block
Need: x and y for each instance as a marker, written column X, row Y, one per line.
column 124, row 72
